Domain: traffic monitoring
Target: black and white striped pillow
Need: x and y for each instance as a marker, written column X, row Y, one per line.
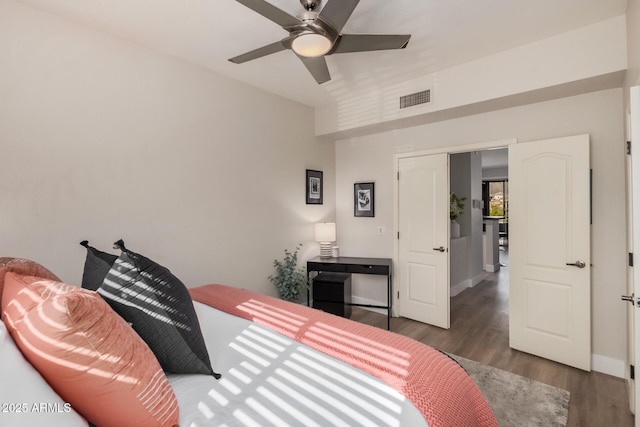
column 160, row 309
column 96, row 266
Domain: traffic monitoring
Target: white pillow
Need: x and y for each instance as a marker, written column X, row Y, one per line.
column 25, row 397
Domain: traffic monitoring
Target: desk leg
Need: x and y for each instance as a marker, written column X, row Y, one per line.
column 308, row 288
column 389, row 302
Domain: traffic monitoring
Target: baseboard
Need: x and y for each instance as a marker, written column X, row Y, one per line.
column 456, row 289
column 607, row 365
column 492, row 268
column 467, row 283
column 478, row 278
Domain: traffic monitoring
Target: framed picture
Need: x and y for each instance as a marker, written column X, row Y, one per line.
column 314, row 187
column 363, row 199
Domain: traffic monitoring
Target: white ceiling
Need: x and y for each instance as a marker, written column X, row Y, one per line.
column 444, row 33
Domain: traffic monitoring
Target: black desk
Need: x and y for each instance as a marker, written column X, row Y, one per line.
column 379, row 266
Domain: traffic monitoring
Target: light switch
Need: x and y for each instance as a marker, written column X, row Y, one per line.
column 382, row 230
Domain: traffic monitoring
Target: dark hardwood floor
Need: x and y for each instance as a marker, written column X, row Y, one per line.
column 480, row 331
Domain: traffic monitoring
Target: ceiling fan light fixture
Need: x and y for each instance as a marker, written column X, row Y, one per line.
column 311, row 45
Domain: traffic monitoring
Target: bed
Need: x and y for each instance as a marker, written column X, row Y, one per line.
column 276, row 363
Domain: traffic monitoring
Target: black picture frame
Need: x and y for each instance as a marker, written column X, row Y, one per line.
column 364, row 199
column 314, row 187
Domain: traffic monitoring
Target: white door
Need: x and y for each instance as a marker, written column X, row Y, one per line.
column 423, row 224
column 635, row 225
column 629, row 296
column 549, row 250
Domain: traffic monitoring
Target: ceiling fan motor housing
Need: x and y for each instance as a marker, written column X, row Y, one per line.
column 311, row 24
column 310, row 4
column 307, row 16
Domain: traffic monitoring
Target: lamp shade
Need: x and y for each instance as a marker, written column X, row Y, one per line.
column 311, row 45
column 326, row 232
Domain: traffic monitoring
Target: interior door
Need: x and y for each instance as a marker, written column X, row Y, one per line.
column 629, row 296
column 423, row 224
column 549, row 249
column 635, row 225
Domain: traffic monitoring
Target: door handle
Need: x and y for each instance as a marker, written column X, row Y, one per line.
column 440, row 249
column 630, row 298
column 579, row 264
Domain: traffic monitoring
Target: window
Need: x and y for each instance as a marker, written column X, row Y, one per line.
column 496, row 204
column 496, row 198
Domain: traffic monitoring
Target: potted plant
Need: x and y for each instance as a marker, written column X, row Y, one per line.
column 456, row 208
column 289, row 279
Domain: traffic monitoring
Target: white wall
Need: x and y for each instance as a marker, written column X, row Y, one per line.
column 633, row 42
column 103, row 140
column 598, row 114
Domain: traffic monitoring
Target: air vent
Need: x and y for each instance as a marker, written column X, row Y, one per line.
column 414, row 99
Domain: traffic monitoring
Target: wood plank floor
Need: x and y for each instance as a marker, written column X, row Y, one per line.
column 480, row 331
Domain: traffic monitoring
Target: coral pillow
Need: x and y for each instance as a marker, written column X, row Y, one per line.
column 87, row 353
column 25, row 267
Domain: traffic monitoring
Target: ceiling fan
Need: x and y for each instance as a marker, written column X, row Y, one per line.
column 314, row 35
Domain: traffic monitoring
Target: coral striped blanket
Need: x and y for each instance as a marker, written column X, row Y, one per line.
column 437, row 385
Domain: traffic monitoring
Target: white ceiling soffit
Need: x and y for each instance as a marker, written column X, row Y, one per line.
column 492, row 159
column 444, row 33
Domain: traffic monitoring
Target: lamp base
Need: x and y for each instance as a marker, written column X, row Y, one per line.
column 325, row 249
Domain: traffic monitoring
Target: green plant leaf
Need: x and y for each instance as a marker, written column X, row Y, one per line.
column 290, row 280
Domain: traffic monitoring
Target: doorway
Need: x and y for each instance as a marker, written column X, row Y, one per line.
column 478, row 182
column 422, row 250
column 550, row 291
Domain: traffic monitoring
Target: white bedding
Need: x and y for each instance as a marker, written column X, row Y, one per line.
column 25, row 397
column 269, row 379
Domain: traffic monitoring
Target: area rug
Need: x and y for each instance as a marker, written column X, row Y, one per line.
column 516, row 400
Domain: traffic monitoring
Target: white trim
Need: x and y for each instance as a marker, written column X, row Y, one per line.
column 456, row 289
column 466, row 283
column 607, row 365
column 478, row 146
column 492, row 268
column 478, row 278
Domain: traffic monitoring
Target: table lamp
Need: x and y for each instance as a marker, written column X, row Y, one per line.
column 325, row 234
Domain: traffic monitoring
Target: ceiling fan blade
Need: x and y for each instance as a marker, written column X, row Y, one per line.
column 337, row 12
column 271, row 12
column 366, row 42
column 318, row 68
column 258, row 53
